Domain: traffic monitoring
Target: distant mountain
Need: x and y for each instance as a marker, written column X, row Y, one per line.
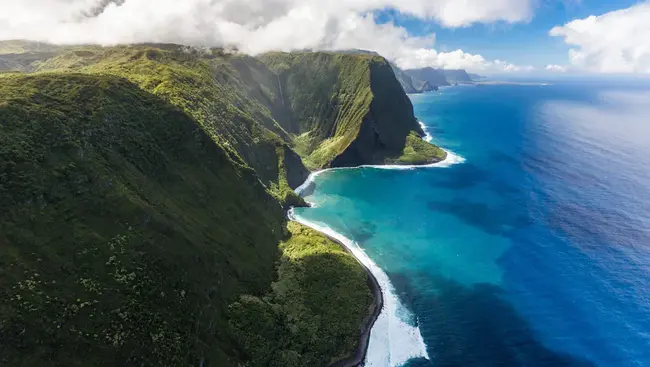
column 458, row 76
column 424, row 86
column 405, row 80
column 425, row 79
column 17, row 55
column 434, row 77
column 476, row 77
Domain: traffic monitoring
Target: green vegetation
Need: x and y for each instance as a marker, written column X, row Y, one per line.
column 348, row 109
column 125, row 229
column 333, row 109
column 21, row 47
column 329, row 95
column 19, row 55
column 295, row 324
column 142, row 190
column 418, row 151
column 204, row 84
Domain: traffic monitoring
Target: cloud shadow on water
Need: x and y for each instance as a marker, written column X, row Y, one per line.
column 500, row 221
column 474, row 326
column 461, row 177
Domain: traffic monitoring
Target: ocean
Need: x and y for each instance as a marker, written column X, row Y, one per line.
column 529, row 246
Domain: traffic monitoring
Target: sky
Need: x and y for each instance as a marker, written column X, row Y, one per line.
column 483, row 36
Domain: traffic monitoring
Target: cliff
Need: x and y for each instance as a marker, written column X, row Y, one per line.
column 142, row 190
column 125, row 229
column 476, row 77
column 457, row 76
column 210, row 86
column 345, row 110
column 405, row 80
column 434, row 77
column 411, row 84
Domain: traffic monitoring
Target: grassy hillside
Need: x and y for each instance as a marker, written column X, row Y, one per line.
column 328, row 107
column 293, row 325
column 142, row 190
column 22, row 47
column 208, row 87
column 126, row 233
column 347, row 109
column 17, row 55
column 125, row 229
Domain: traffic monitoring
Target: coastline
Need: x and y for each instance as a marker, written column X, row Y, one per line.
column 359, row 355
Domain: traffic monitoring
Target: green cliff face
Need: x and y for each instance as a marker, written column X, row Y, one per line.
column 332, row 109
column 294, row 326
column 406, row 81
column 212, row 87
column 127, row 233
column 142, row 192
column 125, row 229
column 346, row 109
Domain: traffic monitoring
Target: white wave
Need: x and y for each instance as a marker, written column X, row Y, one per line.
column 451, row 159
column 427, row 137
column 310, row 179
column 392, row 341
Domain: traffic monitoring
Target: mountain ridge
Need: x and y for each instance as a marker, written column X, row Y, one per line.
column 143, row 190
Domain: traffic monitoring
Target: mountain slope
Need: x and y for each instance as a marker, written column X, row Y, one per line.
column 346, row 109
column 457, row 76
column 142, row 190
column 210, row 87
column 128, row 236
column 410, row 84
column 434, row 77
column 405, row 80
column 125, row 229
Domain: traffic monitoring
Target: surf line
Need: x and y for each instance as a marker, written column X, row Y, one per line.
column 393, row 339
column 449, row 161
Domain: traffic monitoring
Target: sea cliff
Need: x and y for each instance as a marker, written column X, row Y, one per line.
column 143, row 189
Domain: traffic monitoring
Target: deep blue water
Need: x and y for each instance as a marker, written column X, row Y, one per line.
column 535, row 251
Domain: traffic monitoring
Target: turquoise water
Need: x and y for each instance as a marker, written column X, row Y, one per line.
column 533, row 251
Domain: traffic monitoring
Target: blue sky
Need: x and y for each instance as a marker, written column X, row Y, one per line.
column 485, row 36
column 525, row 43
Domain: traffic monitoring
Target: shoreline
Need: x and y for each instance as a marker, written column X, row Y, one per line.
column 358, row 356
column 450, row 160
column 360, row 353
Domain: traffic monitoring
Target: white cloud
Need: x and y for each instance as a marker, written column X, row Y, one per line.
column 615, row 42
column 256, row 26
column 556, row 68
column 504, row 66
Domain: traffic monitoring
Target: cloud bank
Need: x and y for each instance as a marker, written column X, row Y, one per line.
column 256, row 26
column 615, row 42
column 556, row 68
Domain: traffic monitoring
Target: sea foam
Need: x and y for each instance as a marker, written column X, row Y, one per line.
column 450, row 160
column 393, row 341
column 427, row 137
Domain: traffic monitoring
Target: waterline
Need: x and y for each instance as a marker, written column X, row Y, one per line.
column 393, row 341
column 451, row 159
column 395, row 337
